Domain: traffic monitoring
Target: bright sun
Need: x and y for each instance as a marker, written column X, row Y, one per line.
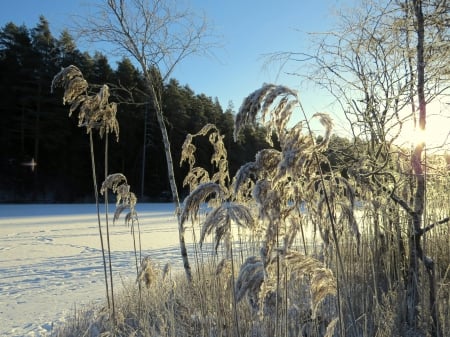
column 436, row 133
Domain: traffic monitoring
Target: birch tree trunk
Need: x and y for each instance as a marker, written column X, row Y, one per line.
column 170, row 171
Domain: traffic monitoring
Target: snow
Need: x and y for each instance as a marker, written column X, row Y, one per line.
column 51, row 261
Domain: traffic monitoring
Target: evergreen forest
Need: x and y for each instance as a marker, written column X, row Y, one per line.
column 44, row 155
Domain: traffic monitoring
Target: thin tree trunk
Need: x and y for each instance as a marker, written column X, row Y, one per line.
column 171, row 176
column 416, row 251
column 413, row 299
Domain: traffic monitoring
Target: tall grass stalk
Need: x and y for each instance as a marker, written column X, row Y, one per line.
column 97, row 205
column 108, row 240
column 95, row 113
column 336, row 241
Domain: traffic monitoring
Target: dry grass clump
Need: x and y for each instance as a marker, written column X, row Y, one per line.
column 175, row 308
column 172, row 307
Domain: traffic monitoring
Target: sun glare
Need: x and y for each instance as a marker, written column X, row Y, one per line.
column 437, row 129
column 434, row 136
column 419, row 136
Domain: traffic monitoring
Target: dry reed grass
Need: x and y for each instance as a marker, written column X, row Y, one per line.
column 125, row 199
column 221, row 218
column 287, row 292
column 95, row 112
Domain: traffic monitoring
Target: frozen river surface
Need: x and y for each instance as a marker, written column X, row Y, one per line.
column 51, row 261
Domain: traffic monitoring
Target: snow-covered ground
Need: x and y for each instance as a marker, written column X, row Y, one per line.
column 51, row 261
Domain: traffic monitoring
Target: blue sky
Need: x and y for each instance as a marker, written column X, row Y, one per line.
column 249, row 29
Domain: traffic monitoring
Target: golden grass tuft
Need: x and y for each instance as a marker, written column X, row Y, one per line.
column 125, row 199
column 261, row 100
column 323, row 282
column 95, row 112
column 221, row 218
column 198, row 196
column 148, row 273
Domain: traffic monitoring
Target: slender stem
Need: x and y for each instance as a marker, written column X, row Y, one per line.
column 277, row 302
column 236, row 318
column 140, row 242
column 107, row 232
column 135, row 246
column 94, row 178
column 339, row 262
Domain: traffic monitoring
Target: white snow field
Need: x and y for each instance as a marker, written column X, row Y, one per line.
column 51, row 261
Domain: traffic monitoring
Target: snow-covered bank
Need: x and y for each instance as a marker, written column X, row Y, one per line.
column 51, row 262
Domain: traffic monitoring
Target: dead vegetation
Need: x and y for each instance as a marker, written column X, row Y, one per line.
column 325, row 255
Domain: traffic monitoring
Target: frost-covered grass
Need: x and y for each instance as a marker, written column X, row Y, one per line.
column 51, row 281
column 173, row 307
column 358, row 276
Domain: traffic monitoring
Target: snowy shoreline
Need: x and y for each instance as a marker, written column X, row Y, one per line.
column 51, row 262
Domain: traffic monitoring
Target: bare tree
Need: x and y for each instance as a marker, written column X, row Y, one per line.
column 158, row 36
column 374, row 66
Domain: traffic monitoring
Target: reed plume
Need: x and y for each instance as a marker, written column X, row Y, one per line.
column 261, row 100
column 95, row 112
column 198, row 175
column 264, row 167
column 322, row 283
column 197, row 197
column 74, row 84
column 267, row 199
column 267, row 162
column 327, row 122
column 187, row 151
column 258, row 281
column 298, row 148
column 125, row 199
column 148, row 272
column 221, row 218
column 244, row 174
column 249, row 280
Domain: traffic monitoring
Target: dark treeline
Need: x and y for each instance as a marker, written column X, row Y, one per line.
column 44, row 156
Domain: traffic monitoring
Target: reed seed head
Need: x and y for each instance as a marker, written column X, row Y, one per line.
column 197, row 197
column 95, row 112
